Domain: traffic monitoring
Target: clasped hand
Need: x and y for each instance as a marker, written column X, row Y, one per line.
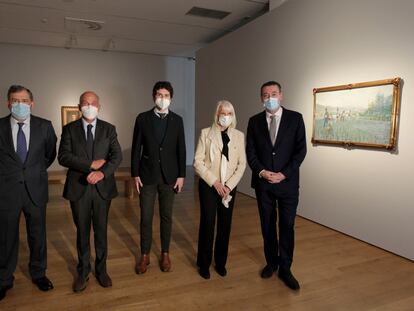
column 273, row 177
column 221, row 189
column 96, row 176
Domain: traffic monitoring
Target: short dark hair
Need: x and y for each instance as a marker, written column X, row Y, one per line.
column 162, row 85
column 18, row 88
column 270, row 83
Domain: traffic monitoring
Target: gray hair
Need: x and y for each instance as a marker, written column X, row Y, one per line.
column 225, row 104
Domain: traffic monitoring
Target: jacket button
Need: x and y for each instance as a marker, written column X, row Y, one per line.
column 273, row 153
column 160, row 148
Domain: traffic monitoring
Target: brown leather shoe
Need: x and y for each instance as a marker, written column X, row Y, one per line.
column 165, row 262
column 142, row 266
column 80, row 284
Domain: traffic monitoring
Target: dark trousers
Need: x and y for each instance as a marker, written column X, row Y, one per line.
column 277, row 252
column 9, row 236
column 210, row 206
column 147, row 196
column 91, row 209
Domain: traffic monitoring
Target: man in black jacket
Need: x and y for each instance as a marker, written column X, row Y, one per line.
column 27, row 149
column 276, row 147
column 158, row 164
column 89, row 148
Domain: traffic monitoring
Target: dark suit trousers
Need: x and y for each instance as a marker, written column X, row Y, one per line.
column 277, row 253
column 210, row 205
column 9, row 236
column 91, row 209
column 147, row 196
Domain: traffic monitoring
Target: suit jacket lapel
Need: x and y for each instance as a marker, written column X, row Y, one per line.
column 34, row 137
column 215, row 136
column 8, row 138
column 170, row 122
column 265, row 128
column 80, row 133
column 98, row 134
column 283, row 126
column 150, row 124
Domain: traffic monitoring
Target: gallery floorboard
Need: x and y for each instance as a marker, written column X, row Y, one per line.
column 336, row 272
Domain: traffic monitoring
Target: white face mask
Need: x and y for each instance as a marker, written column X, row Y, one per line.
column 162, row 103
column 225, row 121
column 89, row 112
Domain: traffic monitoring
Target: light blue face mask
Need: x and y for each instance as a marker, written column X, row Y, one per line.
column 20, row 110
column 271, row 104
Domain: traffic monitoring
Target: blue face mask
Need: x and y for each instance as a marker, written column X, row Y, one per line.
column 20, row 111
column 271, row 104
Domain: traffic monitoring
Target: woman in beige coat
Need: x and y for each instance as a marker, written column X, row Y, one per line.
column 220, row 161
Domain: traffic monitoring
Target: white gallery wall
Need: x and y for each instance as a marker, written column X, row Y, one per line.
column 307, row 44
column 123, row 81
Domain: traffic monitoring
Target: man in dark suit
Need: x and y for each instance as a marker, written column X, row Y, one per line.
column 276, row 147
column 158, row 165
column 27, row 149
column 89, row 148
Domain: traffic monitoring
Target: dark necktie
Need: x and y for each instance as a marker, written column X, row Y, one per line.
column 21, row 148
column 89, row 142
column 162, row 115
column 272, row 129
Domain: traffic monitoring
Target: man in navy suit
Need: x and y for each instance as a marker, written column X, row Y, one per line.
column 276, row 147
column 27, row 149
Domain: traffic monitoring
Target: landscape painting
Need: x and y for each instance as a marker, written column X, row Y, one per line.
column 360, row 114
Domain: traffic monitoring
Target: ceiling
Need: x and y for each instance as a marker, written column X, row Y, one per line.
column 158, row 27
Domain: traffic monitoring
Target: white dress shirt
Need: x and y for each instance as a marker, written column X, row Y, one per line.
column 85, row 127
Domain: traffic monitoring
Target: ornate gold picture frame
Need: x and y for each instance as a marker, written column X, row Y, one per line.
column 360, row 114
column 70, row 114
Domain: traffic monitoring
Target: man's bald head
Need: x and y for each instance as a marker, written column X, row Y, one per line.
column 89, row 97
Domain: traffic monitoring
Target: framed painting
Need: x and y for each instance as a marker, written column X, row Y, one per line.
column 70, row 114
column 361, row 114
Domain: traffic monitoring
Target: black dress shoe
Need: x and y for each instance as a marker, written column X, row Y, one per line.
column 80, row 284
column 44, row 284
column 287, row 277
column 204, row 273
column 267, row 271
column 104, row 280
column 221, row 271
column 3, row 291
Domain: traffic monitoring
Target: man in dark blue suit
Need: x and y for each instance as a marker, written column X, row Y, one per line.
column 276, row 147
column 27, row 149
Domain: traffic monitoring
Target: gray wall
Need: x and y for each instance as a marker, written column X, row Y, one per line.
column 123, row 81
column 306, row 44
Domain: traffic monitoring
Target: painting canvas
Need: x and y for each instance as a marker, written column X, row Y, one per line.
column 361, row 114
column 70, row 114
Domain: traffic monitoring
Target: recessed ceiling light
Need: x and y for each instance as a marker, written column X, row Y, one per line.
column 208, row 13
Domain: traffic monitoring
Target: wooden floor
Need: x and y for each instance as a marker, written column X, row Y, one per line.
column 336, row 272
